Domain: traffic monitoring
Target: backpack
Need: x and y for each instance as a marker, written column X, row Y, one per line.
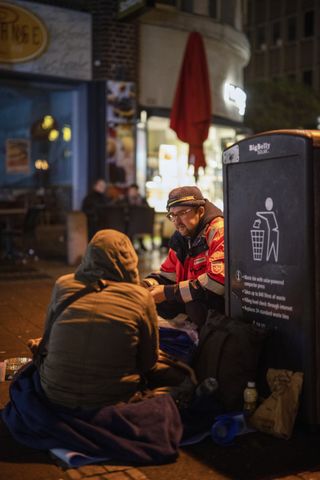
column 229, row 350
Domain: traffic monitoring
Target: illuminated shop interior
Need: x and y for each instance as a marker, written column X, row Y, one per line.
column 167, row 161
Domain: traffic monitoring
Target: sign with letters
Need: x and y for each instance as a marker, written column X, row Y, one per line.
column 271, row 244
column 43, row 39
column 23, row 36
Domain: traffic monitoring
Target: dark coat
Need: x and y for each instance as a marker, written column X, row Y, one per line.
column 101, row 345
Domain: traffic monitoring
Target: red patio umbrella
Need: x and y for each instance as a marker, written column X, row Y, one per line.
column 191, row 111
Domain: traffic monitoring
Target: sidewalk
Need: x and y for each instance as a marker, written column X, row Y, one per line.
column 23, row 300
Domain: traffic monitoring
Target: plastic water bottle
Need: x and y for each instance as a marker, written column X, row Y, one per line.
column 250, row 397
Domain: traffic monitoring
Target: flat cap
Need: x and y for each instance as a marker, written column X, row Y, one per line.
column 189, row 196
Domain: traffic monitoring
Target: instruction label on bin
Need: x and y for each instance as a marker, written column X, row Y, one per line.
column 258, row 296
column 267, row 240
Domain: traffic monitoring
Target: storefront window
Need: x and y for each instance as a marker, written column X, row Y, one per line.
column 36, row 134
column 167, row 162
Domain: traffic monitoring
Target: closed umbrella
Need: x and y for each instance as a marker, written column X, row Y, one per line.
column 191, row 111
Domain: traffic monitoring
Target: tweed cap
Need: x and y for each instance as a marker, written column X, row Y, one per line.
column 185, row 196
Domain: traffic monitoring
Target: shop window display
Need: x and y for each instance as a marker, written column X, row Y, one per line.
column 120, row 133
column 36, row 135
column 167, row 162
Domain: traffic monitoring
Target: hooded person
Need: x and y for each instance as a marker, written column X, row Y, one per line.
column 100, row 346
column 191, row 278
column 86, row 394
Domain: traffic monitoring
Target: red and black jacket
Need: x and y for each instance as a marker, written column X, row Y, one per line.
column 194, row 267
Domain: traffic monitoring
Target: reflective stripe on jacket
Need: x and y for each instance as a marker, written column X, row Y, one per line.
column 194, row 271
column 205, row 265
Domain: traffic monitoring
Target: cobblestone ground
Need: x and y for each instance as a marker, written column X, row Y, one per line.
column 107, row 472
column 23, row 302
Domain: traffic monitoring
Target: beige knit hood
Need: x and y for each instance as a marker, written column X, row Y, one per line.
column 110, row 255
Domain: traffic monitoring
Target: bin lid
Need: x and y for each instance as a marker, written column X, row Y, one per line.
column 313, row 134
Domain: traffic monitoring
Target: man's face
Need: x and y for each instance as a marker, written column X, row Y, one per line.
column 186, row 219
column 133, row 192
column 100, row 186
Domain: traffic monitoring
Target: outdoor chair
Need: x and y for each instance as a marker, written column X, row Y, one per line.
column 112, row 216
column 140, row 223
column 134, row 221
column 20, row 241
column 140, row 220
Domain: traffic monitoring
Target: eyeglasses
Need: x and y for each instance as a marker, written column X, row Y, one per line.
column 173, row 216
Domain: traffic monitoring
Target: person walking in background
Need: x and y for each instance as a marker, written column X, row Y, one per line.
column 92, row 201
column 191, row 278
column 134, row 198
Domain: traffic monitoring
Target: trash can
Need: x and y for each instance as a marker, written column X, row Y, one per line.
column 272, row 245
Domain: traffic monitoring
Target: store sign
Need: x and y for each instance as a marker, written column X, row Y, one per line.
column 23, row 36
column 235, row 95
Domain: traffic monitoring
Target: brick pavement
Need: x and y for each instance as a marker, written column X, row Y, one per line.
column 22, row 309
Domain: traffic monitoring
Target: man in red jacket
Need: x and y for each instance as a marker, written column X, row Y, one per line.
column 191, row 278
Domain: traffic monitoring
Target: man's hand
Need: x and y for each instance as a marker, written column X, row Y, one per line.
column 158, row 293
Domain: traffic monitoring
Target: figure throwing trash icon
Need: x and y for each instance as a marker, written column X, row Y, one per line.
column 265, row 234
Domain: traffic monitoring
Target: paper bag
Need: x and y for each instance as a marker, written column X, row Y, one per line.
column 277, row 414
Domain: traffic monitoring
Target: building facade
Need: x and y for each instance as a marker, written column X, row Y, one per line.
column 163, row 34
column 284, row 39
column 46, row 70
column 92, row 96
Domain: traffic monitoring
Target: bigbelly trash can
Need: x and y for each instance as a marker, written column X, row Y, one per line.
column 272, row 248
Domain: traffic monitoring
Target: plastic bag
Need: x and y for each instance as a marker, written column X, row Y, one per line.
column 277, row 414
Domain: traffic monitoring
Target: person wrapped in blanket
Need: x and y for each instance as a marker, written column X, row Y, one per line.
column 101, row 386
column 191, row 278
column 102, row 348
